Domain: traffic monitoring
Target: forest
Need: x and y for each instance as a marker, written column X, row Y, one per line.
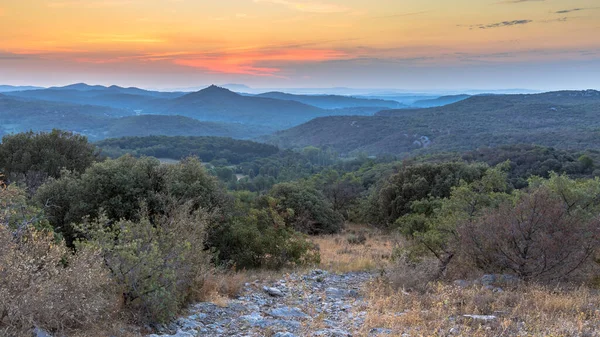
column 133, row 239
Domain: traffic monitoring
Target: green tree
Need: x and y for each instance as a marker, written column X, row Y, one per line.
column 31, row 158
column 313, row 214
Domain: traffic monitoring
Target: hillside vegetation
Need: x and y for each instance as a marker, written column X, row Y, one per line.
column 133, row 241
column 567, row 120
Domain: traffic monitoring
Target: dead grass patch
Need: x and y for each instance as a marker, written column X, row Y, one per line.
column 529, row 310
column 341, row 253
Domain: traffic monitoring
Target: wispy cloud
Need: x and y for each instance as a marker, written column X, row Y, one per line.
column 308, row 6
column 11, row 56
column 255, row 63
column 499, row 24
column 565, row 11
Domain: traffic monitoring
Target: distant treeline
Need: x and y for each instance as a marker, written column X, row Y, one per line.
column 206, row 149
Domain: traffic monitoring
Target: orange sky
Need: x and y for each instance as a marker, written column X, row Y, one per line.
column 410, row 44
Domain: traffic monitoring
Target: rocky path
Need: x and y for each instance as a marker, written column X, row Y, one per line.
column 316, row 303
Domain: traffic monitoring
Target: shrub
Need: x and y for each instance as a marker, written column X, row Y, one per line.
column 312, row 213
column 155, row 260
column 263, row 237
column 120, row 186
column 357, row 239
column 43, row 284
column 537, row 238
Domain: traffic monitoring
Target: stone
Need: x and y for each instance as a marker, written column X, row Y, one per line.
column 284, row 334
column 481, row 317
column 40, row 332
column 273, row 291
column 380, row 331
column 287, row 312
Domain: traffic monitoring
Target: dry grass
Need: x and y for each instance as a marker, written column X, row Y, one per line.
column 529, row 310
column 339, row 255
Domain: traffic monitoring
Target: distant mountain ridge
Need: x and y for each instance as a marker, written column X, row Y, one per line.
column 333, row 101
column 219, row 104
column 11, row 88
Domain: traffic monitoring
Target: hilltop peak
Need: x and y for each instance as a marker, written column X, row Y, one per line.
column 216, row 90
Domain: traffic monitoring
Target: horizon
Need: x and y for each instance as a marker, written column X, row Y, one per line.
column 538, row 45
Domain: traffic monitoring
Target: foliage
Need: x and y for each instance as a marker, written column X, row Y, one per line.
column 33, row 157
column 205, row 148
column 539, row 237
column 533, row 160
column 36, row 271
column 119, row 187
column 565, row 120
column 262, row 236
column 395, row 196
column 155, row 260
column 312, row 213
column 432, row 227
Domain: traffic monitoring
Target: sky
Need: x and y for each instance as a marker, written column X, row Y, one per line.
column 400, row 44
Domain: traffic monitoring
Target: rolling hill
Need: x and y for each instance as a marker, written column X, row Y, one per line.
column 334, row 101
column 566, row 119
column 99, row 122
column 219, row 104
column 113, row 96
column 440, row 101
column 147, row 125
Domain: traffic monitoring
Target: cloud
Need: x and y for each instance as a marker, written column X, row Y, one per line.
column 308, row 6
column 565, row 11
column 12, row 56
column 499, row 24
column 255, row 63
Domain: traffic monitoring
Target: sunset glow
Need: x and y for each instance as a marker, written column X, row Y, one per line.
column 407, row 44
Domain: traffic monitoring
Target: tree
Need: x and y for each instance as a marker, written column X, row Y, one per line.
column 394, row 197
column 432, row 227
column 119, row 187
column 313, row 214
column 31, row 157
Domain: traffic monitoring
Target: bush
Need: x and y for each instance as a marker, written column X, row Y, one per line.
column 120, row 186
column 537, row 238
column 394, row 197
column 262, row 237
column 357, row 239
column 312, row 213
column 155, row 260
column 43, row 284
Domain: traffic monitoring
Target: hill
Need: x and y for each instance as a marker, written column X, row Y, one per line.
column 333, row 101
column 146, row 125
column 566, row 119
column 113, row 96
column 18, row 115
column 219, row 104
column 440, row 101
column 10, row 88
column 99, row 122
